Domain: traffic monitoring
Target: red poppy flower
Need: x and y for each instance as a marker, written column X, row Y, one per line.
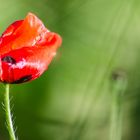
column 26, row 50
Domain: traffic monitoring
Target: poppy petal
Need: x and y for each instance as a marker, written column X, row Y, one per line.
column 7, row 37
column 20, row 64
column 22, row 33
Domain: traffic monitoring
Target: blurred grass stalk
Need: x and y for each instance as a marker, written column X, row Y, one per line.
column 119, row 86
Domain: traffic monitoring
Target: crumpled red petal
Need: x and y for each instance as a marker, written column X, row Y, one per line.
column 22, row 33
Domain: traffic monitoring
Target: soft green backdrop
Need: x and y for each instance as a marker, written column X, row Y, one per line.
column 72, row 100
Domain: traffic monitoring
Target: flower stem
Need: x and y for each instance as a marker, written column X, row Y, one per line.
column 119, row 87
column 8, row 114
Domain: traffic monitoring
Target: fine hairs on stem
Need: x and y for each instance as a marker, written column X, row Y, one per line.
column 9, row 121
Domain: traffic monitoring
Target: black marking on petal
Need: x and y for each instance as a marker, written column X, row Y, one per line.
column 23, row 79
column 8, row 59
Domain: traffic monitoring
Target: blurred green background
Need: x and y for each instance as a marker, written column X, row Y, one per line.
column 73, row 99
